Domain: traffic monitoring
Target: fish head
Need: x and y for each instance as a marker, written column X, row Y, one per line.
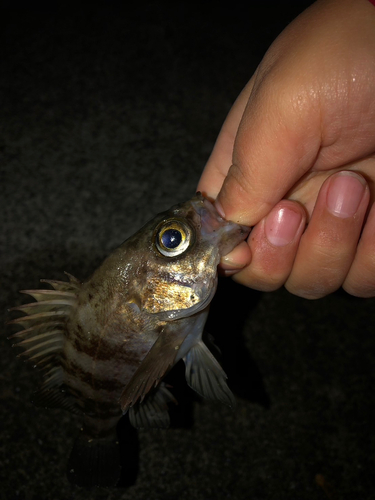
column 182, row 248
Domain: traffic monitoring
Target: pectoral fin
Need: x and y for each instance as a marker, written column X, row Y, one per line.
column 205, row 375
column 158, row 361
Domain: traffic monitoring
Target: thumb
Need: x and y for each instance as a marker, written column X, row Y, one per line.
column 277, row 142
column 311, row 106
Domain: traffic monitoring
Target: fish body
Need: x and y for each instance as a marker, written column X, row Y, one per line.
column 106, row 344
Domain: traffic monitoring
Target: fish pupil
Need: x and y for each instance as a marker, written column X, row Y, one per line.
column 171, row 238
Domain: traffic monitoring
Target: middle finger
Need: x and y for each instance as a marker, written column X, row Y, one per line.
column 328, row 246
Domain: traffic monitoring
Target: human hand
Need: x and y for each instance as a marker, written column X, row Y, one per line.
column 300, row 140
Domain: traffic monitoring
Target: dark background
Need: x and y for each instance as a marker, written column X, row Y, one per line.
column 108, row 114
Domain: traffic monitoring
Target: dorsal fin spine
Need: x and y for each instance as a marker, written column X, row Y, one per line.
column 44, row 326
column 40, row 345
column 40, row 337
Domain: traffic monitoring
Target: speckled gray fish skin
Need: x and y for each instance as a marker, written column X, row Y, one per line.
column 105, row 344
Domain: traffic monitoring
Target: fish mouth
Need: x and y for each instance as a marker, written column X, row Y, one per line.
column 220, row 233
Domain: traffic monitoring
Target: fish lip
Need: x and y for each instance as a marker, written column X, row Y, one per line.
column 204, row 207
column 225, row 235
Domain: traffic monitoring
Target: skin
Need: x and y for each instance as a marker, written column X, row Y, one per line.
column 296, row 158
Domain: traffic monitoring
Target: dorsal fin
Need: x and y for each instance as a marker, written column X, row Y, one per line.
column 73, row 285
column 44, row 331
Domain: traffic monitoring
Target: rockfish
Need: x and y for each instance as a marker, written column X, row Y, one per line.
column 105, row 345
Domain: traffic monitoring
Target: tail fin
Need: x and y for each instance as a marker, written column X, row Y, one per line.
column 108, row 461
column 94, row 461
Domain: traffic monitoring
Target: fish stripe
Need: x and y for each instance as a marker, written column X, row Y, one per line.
column 96, row 383
column 108, row 352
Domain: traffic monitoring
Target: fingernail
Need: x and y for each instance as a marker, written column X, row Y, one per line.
column 345, row 192
column 229, row 262
column 237, row 259
column 219, row 208
column 281, row 225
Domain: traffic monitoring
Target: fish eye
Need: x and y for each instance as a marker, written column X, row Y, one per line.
column 173, row 238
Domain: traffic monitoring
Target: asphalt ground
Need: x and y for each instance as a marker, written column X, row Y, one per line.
column 108, row 114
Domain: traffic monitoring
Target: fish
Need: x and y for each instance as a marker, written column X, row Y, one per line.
column 105, row 345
